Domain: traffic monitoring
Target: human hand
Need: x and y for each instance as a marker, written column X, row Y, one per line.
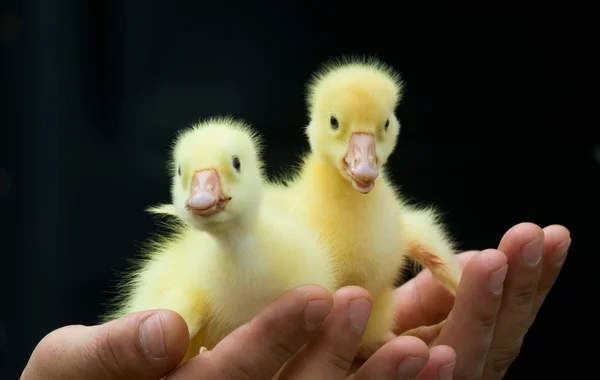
column 149, row 345
column 331, row 352
column 144, row 345
column 496, row 324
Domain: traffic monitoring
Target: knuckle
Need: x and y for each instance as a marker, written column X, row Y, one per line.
column 544, row 287
column 276, row 356
column 283, row 341
column 277, row 346
column 282, row 351
column 109, row 359
column 502, row 356
column 487, row 319
column 522, row 296
column 340, row 361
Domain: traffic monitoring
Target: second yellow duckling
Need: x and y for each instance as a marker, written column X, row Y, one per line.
column 233, row 253
column 342, row 189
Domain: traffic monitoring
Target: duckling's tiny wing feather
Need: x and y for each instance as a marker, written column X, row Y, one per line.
column 163, row 209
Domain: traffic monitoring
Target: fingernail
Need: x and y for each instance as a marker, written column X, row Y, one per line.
column 447, row 371
column 497, row 279
column 409, row 368
column 561, row 252
column 359, row 311
column 152, row 336
column 532, row 252
column 315, row 313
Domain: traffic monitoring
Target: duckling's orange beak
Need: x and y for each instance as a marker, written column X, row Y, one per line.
column 361, row 162
column 207, row 196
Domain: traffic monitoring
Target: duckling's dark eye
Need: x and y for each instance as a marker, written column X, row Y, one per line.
column 179, row 171
column 334, row 123
column 236, row 163
column 387, row 124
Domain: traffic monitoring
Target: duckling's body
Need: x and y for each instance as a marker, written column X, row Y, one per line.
column 342, row 190
column 233, row 254
column 363, row 232
column 365, row 252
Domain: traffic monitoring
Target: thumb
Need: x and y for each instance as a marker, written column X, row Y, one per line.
column 145, row 345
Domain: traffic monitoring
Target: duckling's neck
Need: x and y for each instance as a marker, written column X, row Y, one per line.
column 233, row 235
column 225, row 230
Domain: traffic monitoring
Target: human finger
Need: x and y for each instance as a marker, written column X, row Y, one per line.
column 523, row 246
column 477, row 302
column 557, row 241
column 401, row 358
column 441, row 364
column 525, row 289
column 331, row 351
column 258, row 349
column 144, row 345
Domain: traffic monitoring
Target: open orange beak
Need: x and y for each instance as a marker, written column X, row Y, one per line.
column 207, row 196
column 361, row 162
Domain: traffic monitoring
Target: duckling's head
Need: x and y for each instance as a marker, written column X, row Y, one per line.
column 217, row 173
column 352, row 122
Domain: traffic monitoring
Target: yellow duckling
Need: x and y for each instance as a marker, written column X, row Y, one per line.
column 343, row 191
column 231, row 253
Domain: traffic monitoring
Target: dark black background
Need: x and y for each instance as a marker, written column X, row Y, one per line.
column 500, row 125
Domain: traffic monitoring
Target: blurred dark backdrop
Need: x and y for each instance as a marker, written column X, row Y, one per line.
column 500, row 125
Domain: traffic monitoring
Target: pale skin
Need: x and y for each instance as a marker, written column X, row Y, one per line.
column 257, row 350
column 496, row 325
